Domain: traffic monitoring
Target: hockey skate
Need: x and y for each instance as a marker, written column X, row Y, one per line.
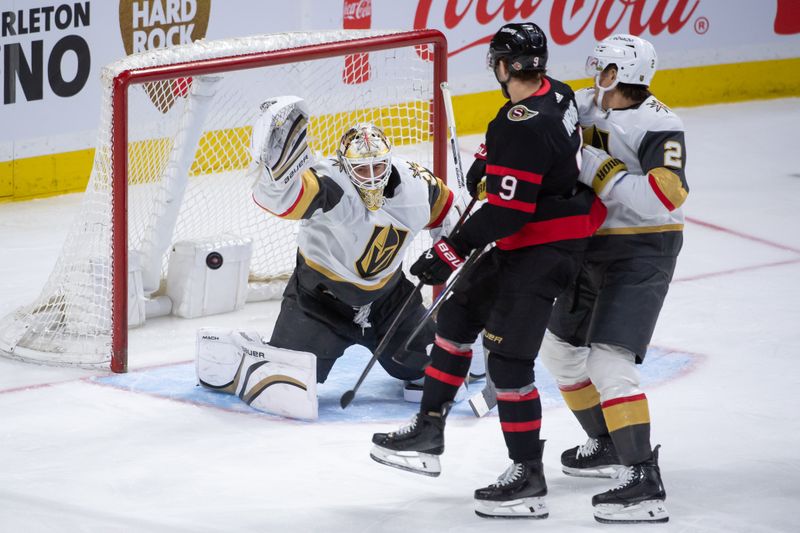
column 415, row 447
column 639, row 497
column 518, row 493
column 596, row 458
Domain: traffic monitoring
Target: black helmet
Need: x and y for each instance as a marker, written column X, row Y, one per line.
column 523, row 45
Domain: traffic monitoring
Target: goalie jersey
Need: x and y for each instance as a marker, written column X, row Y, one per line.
column 353, row 252
column 644, row 204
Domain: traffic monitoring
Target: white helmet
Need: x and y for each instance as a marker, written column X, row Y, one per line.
column 366, row 155
column 634, row 57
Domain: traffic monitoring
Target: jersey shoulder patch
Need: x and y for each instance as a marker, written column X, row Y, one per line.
column 655, row 115
column 520, row 112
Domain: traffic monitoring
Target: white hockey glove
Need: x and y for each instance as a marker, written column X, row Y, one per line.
column 599, row 170
column 279, row 140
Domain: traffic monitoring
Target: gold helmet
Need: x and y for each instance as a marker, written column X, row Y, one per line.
column 366, row 155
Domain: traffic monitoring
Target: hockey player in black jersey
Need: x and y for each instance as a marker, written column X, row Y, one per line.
column 539, row 216
column 600, row 328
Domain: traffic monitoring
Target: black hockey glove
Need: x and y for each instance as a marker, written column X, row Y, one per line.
column 476, row 175
column 437, row 263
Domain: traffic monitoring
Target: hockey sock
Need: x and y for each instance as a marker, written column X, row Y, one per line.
column 520, row 419
column 518, row 405
column 628, row 420
column 449, row 367
column 584, row 402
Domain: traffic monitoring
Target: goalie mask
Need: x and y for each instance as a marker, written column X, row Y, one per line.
column 366, row 155
column 634, row 58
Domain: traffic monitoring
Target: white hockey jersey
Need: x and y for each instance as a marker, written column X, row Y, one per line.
column 644, row 203
column 355, row 252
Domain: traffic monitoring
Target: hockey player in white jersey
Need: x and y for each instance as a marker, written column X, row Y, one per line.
column 634, row 158
column 359, row 213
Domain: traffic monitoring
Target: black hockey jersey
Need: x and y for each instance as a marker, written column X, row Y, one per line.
column 532, row 168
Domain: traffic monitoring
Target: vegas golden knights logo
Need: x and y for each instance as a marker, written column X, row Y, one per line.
column 382, row 248
column 152, row 24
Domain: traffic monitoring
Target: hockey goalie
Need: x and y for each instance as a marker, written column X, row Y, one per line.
column 359, row 212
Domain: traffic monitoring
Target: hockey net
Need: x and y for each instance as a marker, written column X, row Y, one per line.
column 171, row 164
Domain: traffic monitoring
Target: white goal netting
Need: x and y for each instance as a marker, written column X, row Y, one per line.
column 187, row 155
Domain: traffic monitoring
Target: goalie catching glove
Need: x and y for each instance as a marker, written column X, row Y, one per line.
column 437, row 263
column 599, row 170
column 279, row 140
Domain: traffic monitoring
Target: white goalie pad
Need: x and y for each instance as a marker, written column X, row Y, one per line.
column 279, row 140
column 272, row 380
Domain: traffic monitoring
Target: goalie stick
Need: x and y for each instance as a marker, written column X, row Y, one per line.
column 348, row 396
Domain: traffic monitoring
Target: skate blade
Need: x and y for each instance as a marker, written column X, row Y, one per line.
column 416, row 462
column 608, row 471
column 650, row 511
column 521, row 508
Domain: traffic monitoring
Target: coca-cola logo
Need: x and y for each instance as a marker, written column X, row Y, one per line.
column 357, row 9
column 569, row 19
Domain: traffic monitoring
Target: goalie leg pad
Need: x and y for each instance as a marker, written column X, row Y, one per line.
column 281, row 382
column 273, row 380
column 219, row 357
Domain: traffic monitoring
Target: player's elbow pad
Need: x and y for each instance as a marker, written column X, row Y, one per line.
column 637, row 193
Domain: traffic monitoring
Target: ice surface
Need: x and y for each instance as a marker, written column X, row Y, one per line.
column 84, row 450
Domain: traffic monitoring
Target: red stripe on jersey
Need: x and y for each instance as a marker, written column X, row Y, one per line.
column 518, row 205
column 517, row 397
column 444, row 377
column 291, row 208
column 556, row 229
column 576, row 386
column 451, row 348
column 299, row 196
column 522, row 175
column 518, row 427
column 659, row 194
column 625, row 399
column 444, row 212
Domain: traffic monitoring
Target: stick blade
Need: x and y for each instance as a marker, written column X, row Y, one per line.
column 346, row 398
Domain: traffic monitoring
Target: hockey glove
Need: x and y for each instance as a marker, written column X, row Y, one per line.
column 599, row 170
column 437, row 263
column 476, row 175
column 278, row 140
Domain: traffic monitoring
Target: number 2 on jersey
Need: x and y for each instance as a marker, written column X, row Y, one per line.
column 673, row 154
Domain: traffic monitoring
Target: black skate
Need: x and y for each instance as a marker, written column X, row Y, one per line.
column 518, row 493
column 415, row 447
column 639, row 497
column 596, row 458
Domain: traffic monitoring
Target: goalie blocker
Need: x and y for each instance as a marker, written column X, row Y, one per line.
column 273, row 380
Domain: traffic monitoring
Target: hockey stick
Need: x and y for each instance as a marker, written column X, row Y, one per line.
column 486, row 400
column 451, row 127
column 443, row 295
column 348, row 396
